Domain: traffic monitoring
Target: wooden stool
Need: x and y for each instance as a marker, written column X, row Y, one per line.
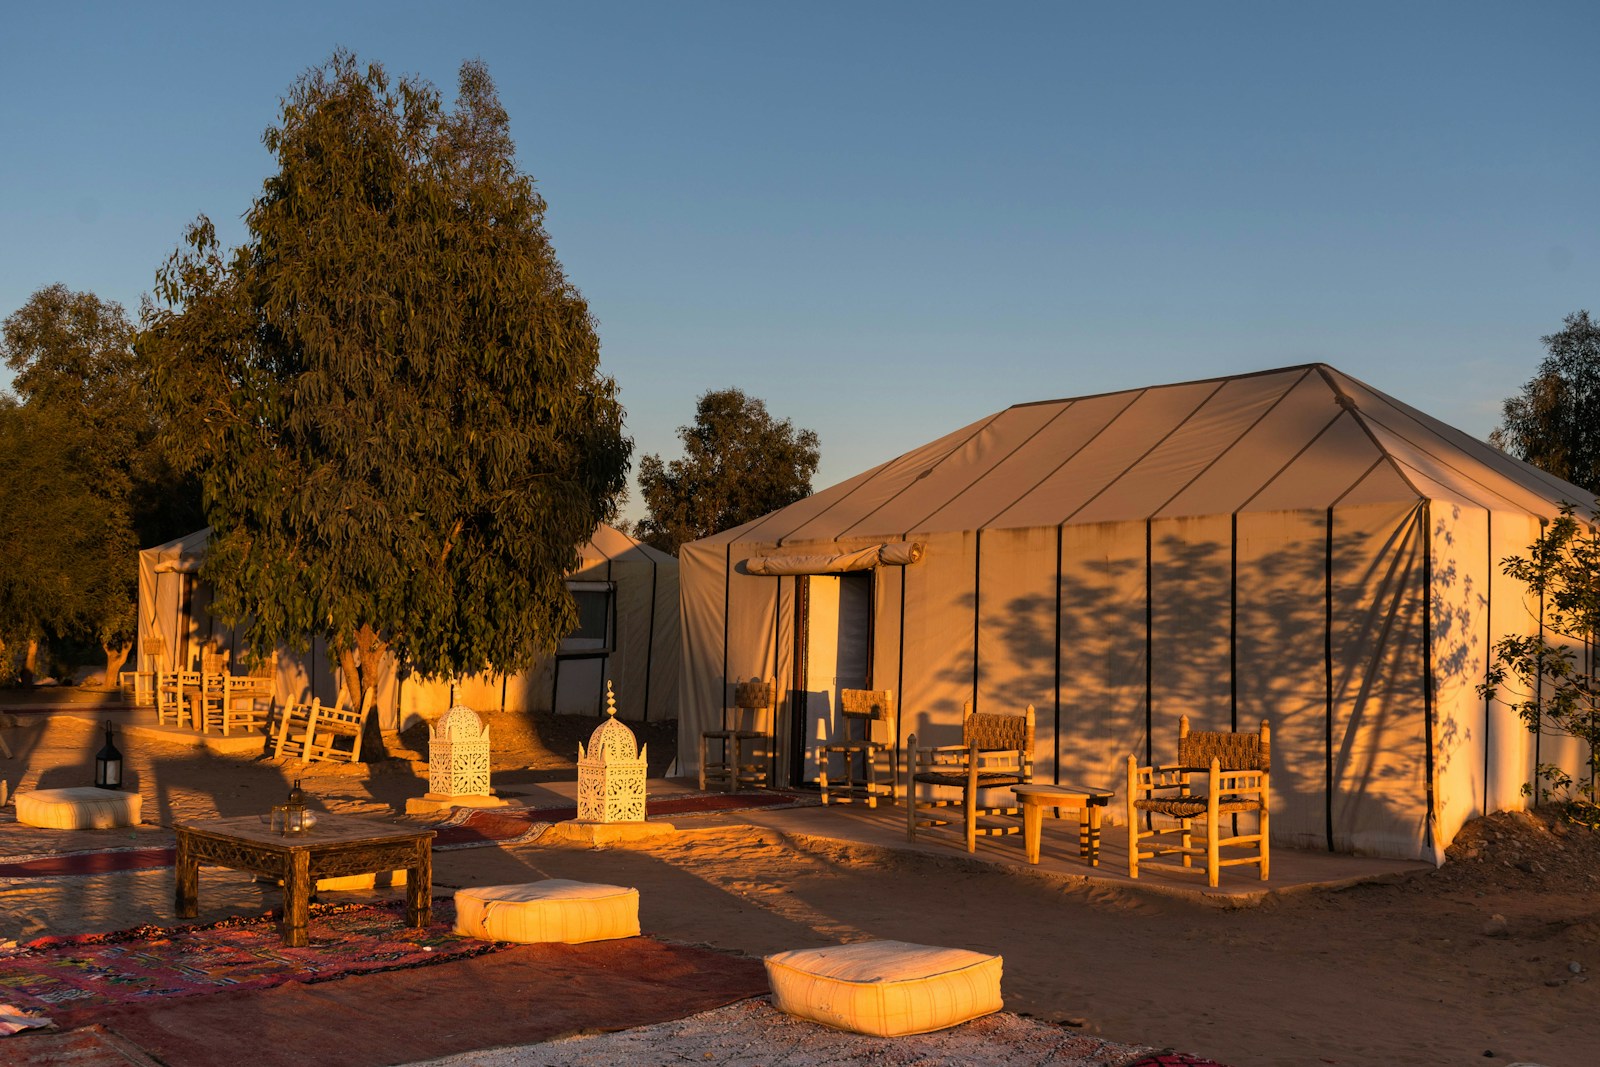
column 1088, row 802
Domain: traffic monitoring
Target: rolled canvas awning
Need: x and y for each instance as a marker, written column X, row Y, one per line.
column 889, row 554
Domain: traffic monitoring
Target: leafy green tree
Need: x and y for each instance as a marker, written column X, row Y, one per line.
column 91, row 429
column 738, row 464
column 69, row 569
column 1540, row 675
column 1554, row 423
column 391, row 393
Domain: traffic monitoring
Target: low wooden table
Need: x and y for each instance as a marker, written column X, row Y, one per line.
column 336, row 845
column 1088, row 802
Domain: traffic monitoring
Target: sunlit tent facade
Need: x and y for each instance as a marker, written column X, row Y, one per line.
column 627, row 596
column 1291, row 545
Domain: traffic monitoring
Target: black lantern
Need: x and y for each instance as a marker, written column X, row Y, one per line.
column 108, row 764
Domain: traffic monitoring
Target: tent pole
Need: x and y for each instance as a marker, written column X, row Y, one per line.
column 1057, row 746
column 1149, row 644
column 1427, row 666
column 650, row 644
column 977, row 607
column 1327, row 680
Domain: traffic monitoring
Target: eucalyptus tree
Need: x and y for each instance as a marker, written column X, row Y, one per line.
column 390, row 391
column 1554, row 423
column 738, row 464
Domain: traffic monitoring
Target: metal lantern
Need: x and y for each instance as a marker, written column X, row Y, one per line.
column 458, row 755
column 611, row 773
column 108, row 764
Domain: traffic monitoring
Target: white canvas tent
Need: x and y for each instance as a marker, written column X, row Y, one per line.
column 1291, row 544
column 627, row 593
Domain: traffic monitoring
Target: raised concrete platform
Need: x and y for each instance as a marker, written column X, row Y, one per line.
column 596, row 834
column 440, row 803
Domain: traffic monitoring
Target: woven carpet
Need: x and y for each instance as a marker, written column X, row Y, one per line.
column 495, row 826
column 466, row 828
column 72, row 979
column 520, row 995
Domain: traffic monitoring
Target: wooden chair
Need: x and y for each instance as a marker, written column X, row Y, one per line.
column 860, row 710
column 137, row 685
column 312, row 731
column 748, row 721
column 1237, row 767
column 996, row 752
column 247, row 698
column 172, row 691
column 335, row 733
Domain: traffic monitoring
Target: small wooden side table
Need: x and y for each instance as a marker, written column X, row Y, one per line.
column 1088, row 802
column 336, row 845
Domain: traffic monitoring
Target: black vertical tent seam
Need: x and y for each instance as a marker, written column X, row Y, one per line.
column 777, row 657
column 1488, row 655
column 977, row 608
column 900, row 675
column 1538, row 689
column 612, row 622
column 1327, row 680
column 1149, row 643
column 1233, row 622
column 650, row 644
column 1427, row 664
column 1057, row 775
column 727, row 584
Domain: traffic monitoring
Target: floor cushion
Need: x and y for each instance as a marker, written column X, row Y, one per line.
column 78, row 808
column 555, row 909
column 885, row 988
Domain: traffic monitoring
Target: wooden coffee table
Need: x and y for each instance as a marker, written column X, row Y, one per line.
column 336, row 845
column 1087, row 801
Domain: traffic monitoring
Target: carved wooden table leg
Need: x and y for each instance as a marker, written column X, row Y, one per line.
column 296, row 898
column 186, row 895
column 419, row 888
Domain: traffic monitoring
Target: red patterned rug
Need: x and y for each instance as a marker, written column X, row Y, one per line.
column 493, row 826
column 467, row 828
column 73, row 978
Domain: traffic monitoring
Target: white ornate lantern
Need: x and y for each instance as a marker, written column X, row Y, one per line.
column 611, row 774
column 458, row 754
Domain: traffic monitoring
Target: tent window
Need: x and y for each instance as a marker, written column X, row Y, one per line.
column 593, row 633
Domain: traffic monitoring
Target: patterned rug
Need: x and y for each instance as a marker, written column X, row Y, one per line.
column 466, row 828
column 469, row 827
column 64, row 977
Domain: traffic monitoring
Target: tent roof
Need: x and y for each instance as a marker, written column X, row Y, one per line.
column 1305, row 437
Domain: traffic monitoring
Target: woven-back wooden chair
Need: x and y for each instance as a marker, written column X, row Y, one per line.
column 742, row 740
column 173, row 687
column 862, row 712
column 996, row 752
column 1165, row 811
column 335, row 733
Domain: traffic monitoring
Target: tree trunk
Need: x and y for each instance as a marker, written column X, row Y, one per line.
column 361, row 667
column 30, row 662
column 116, row 656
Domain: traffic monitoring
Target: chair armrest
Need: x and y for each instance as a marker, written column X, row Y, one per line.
column 1239, row 782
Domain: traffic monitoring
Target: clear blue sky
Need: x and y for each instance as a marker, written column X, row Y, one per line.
column 889, row 219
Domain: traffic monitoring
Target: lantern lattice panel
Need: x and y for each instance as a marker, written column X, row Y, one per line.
column 458, row 754
column 611, row 773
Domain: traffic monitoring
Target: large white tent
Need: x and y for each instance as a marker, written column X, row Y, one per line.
column 627, row 594
column 1291, row 545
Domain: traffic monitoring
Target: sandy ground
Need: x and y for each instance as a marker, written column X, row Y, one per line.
column 1486, row 960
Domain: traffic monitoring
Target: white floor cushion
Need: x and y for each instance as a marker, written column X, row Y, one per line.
column 78, row 808
column 885, row 988
column 555, row 909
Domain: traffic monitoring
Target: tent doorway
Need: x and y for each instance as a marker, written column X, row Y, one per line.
column 833, row 635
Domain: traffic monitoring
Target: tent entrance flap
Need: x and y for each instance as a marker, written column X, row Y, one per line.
column 889, row 554
column 837, row 635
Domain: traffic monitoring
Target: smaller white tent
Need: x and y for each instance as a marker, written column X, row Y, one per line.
column 627, row 595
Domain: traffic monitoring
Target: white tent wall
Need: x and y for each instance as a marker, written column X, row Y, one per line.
column 643, row 662
column 1104, row 657
column 1291, row 545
